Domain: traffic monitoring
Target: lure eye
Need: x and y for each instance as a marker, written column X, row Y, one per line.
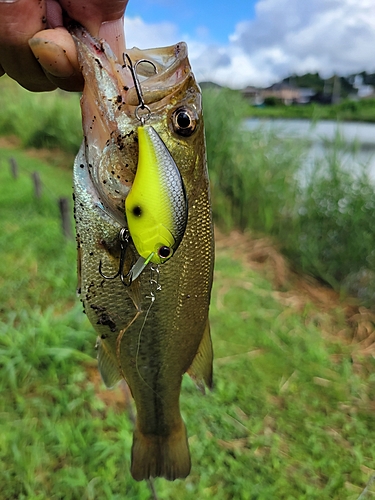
column 184, row 121
column 164, row 252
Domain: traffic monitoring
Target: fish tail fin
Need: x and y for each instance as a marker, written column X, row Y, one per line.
column 160, row 456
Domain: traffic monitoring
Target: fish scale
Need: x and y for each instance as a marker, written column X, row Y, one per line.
column 148, row 335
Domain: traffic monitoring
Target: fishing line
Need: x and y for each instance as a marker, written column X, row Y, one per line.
column 119, row 339
column 154, row 284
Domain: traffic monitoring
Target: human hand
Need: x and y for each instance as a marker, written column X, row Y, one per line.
column 37, row 50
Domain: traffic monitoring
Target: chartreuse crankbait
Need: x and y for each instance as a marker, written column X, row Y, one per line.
column 156, row 206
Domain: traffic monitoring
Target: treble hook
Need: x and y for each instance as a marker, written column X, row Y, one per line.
column 137, row 85
column 124, row 241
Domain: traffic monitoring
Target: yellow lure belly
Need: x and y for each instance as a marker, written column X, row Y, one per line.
column 156, row 206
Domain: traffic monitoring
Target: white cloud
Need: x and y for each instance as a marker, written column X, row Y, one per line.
column 146, row 36
column 321, row 35
column 286, row 36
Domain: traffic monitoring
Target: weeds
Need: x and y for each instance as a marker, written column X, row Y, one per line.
column 334, row 233
column 40, row 120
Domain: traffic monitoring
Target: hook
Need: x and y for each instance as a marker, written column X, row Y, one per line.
column 123, row 237
column 135, row 269
column 137, row 85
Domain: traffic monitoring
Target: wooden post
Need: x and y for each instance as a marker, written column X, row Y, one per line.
column 65, row 217
column 13, row 168
column 37, row 184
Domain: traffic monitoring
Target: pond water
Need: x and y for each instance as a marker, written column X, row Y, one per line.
column 360, row 135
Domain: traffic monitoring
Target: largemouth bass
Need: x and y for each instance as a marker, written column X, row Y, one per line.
column 154, row 327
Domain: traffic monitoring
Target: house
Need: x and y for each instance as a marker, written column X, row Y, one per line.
column 285, row 93
column 281, row 92
column 253, row 94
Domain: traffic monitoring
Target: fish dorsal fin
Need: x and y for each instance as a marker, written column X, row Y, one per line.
column 107, row 364
column 201, row 368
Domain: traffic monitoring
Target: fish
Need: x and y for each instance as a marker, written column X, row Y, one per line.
column 152, row 326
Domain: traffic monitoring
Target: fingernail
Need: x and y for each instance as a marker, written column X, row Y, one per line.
column 8, row 1
column 51, row 57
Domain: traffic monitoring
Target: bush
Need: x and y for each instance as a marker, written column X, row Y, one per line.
column 333, row 236
column 252, row 173
column 272, row 101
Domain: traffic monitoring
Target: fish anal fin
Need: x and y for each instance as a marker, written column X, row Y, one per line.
column 107, row 364
column 160, row 456
column 201, row 368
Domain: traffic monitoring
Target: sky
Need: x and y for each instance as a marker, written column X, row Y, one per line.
column 258, row 42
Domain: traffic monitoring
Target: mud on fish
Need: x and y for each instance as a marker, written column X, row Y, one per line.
column 147, row 297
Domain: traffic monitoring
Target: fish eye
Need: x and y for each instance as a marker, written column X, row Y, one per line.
column 184, row 121
column 164, row 252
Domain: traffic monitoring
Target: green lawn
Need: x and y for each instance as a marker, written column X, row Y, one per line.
column 291, row 416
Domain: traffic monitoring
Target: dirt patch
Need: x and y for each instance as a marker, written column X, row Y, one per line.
column 119, row 397
column 299, row 292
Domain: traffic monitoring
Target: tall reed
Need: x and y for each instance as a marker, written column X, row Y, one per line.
column 253, row 173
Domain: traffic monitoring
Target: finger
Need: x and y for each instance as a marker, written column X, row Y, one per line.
column 113, row 33
column 92, row 14
column 56, row 53
column 18, row 22
column 54, row 14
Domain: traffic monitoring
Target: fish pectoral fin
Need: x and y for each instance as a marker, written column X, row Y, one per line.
column 107, row 364
column 201, row 368
column 161, row 456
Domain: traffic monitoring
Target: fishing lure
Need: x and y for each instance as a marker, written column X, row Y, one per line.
column 156, row 206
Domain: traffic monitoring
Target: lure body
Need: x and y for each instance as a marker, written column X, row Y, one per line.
column 156, row 207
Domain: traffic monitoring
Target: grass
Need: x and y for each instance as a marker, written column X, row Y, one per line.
column 334, row 229
column 347, row 110
column 290, row 415
column 41, row 120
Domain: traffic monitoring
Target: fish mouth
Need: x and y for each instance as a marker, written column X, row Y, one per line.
column 109, row 102
column 171, row 70
column 113, row 79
